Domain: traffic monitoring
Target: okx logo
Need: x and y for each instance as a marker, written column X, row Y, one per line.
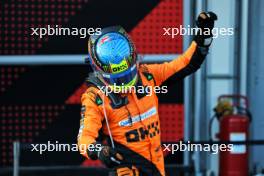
column 141, row 133
column 117, row 68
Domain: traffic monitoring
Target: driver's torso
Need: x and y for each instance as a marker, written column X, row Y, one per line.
column 142, row 136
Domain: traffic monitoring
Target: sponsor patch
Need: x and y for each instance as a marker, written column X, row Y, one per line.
column 152, row 111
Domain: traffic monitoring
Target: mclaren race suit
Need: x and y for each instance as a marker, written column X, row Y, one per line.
column 134, row 120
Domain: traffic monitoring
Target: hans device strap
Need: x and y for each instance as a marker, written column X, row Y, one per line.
column 116, row 100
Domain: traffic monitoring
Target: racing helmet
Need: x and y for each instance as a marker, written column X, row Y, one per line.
column 113, row 57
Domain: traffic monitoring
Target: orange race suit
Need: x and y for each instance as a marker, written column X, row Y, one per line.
column 135, row 126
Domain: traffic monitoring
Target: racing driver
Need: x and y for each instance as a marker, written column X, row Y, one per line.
column 126, row 125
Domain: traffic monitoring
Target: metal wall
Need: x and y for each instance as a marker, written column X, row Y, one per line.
column 256, row 78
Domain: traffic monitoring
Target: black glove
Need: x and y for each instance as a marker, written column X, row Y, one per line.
column 205, row 22
column 107, row 155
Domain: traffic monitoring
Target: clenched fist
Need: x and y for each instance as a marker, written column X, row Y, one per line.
column 205, row 22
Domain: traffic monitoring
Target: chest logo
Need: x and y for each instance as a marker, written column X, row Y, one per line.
column 152, row 111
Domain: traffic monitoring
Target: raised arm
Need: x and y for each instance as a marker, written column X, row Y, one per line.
column 192, row 59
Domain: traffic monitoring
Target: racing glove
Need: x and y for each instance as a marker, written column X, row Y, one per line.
column 205, row 22
column 107, row 155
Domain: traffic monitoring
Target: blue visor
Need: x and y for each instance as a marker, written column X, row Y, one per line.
column 121, row 79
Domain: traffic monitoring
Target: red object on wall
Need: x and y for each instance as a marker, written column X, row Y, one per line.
column 75, row 98
column 235, row 162
column 235, row 127
column 172, row 122
column 92, row 163
column 148, row 34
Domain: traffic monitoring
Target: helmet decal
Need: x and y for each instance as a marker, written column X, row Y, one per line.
column 117, row 68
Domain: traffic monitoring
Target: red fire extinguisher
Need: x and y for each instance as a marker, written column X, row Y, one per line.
column 234, row 118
